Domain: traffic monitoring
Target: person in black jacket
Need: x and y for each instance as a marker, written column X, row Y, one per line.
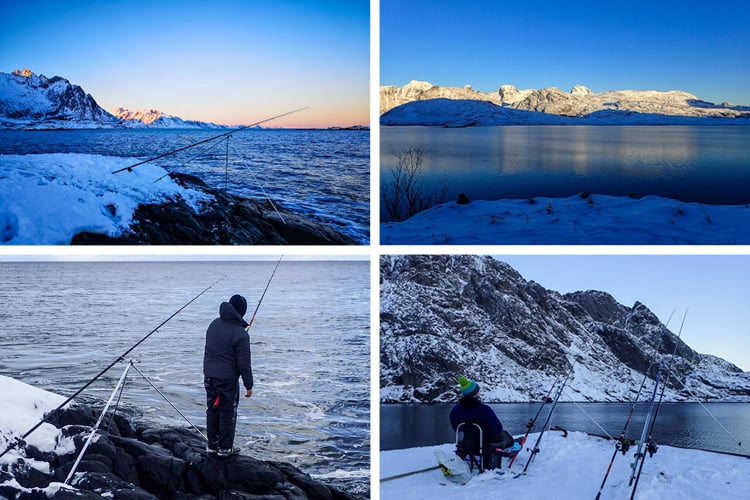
column 226, row 358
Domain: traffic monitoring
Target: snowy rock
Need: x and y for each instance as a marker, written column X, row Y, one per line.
column 581, row 90
column 152, row 463
column 445, row 316
column 227, row 220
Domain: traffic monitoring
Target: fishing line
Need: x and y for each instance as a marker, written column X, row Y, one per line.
column 131, row 167
column 252, row 318
column 170, row 403
column 191, row 159
column 263, row 191
column 588, row 415
column 106, row 369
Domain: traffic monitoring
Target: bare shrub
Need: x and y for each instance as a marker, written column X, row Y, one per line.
column 404, row 196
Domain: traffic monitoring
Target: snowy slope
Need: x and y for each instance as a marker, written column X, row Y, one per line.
column 421, row 103
column 444, row 316
column 590, row 219
column 48, row 198
column 27, row 99
column 570, row 469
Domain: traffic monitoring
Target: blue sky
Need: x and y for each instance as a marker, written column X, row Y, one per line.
column 700, row 47
column 714, row 289
column 224, row 61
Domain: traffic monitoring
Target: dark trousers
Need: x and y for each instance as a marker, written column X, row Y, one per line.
column 222, row 397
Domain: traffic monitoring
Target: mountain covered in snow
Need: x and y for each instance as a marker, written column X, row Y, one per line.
column 28, row 100
column 442, row 316
column 155, row 118
column 422, row 103
column 31, row 100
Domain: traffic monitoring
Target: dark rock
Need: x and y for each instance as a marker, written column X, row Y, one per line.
column 159, row 463
column 228, row 220
column 462, row 199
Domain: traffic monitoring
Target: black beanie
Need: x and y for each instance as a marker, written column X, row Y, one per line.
column 239, row 303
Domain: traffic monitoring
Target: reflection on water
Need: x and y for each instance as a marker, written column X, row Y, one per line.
column 709, row 164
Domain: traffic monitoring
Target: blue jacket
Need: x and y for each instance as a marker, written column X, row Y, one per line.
column 471, row 409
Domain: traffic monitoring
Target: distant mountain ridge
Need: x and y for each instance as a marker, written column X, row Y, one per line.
column 28, row 100
column 445, row 316
column 398, row 106
column 155, row 118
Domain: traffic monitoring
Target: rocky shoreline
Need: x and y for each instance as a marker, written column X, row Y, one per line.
column 227, row 220
column 137, row 462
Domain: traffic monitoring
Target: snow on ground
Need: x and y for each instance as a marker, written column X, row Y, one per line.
column 21, row 407
column 573, row 468
column 594, row 219
column 48, row 198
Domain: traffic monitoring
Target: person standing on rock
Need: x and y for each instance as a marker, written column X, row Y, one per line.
column 226, row 358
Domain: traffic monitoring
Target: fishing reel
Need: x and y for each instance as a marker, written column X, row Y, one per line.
column 623, row 445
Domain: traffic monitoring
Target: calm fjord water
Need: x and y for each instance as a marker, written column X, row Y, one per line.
column 707, row 164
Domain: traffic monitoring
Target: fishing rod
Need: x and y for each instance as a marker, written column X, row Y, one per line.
column 531, row 422
column 19, row 440
column 131, row 167
column 535, row 449
column 622, row 444
column 407, row 474
column 252, row 318
column 648, row 425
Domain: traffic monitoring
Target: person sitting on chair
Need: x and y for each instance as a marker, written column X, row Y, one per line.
column 470, row 409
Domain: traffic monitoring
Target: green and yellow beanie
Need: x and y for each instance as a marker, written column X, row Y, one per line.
column 469, row 388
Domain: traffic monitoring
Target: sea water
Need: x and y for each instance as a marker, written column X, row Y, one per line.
column 706, row 164
column 63, row 322
column 686, row 425
column 323, row 175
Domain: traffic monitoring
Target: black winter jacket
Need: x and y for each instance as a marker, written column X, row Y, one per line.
column 227, row 353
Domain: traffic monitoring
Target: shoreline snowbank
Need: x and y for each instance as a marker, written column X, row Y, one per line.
column 49, row 198
column 582, row 219
column 572, row 468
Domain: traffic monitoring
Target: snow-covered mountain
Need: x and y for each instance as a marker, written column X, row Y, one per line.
column 444, row 316
column 28, row 100
column 421, row 103
column 155, row 118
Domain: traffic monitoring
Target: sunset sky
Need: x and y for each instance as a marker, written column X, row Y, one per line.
column 230, row 62
column 696, row 46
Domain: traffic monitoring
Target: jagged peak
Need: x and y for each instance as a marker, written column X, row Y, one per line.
column 418, row 85
column 24, row 72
